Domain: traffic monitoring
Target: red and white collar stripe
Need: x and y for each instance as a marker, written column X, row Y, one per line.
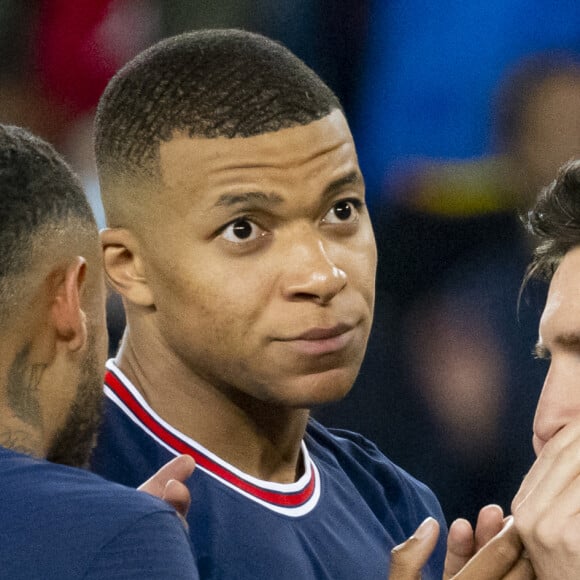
column 293, row 499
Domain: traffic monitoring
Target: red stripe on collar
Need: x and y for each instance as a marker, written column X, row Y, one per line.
column 285, row 499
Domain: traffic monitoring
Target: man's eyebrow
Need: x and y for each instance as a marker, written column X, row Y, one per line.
column 259, row 197
column 263, row 198
column 570, row 339
column 351, row 178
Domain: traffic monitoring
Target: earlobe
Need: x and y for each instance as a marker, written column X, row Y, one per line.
column 124, row 267
column 68, row 317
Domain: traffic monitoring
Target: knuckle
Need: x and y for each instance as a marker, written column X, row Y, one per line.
column 505, row 552
column 547, row 535
column 523, row 521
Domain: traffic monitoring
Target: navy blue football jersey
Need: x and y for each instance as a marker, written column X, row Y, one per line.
column 340, row 520
column 64, row 523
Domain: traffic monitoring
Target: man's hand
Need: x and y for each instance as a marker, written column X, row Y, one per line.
column 547, row 507
column 463, row 543
column 168, row 483
column 408, row 558
column 500, row 558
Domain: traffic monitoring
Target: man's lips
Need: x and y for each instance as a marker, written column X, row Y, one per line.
column 317, row 341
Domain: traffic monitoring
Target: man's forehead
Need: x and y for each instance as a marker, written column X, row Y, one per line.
column 286, row 147
column 567, row 275
column 563, row 302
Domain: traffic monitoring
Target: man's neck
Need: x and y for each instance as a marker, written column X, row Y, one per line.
column 260, row 439
column 20, row 418
column 20, row 437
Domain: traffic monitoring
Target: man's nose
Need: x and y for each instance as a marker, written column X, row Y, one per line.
column 559, row 403
column 310, row 272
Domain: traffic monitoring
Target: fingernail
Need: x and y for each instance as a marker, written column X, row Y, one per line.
column 425, row 528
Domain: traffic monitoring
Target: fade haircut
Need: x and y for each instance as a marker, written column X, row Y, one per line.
column 207, row 83
column 39, row 195
column 555, row 222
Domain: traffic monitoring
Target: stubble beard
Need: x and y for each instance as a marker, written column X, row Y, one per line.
column 74, row 442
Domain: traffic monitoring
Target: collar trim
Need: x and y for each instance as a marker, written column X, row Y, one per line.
column 294, row 499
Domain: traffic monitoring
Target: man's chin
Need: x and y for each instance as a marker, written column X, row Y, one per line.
column 324, row 388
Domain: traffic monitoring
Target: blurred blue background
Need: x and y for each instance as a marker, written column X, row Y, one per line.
column 430, row 72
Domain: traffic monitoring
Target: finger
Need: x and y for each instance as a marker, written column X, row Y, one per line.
column 498, row 557
column 408, row 558
column 554, row 492
column 522, row 570
column 561, row 512
column 460, row 547
column 178, row 496
column 490, row 522
column 553, row 468
column 555, row 534
column 179, row 469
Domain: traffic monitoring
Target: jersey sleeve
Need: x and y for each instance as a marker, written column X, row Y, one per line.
column 154, row 547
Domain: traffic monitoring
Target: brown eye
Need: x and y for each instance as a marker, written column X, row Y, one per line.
column 241, row 231
column 344, row 211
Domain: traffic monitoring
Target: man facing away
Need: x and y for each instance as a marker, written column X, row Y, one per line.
column 57, row 521
column 240, row 242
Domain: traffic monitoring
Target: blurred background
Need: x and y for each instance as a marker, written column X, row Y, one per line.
column 461, row 112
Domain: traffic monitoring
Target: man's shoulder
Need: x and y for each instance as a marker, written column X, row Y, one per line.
column 334, row 442
column 70, row 490
column 364, row 463
column 68, row 521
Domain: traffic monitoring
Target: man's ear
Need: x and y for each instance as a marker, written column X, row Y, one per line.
column 68, row 317
column 124, row 266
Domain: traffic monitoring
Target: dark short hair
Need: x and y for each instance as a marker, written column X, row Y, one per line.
column 555, row 221
column 207, row 83
column 38, row 191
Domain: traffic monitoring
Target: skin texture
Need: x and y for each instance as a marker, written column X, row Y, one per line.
column 250, row 273
column 547, row 504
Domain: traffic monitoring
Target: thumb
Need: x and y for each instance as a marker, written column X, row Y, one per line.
column 408, row 558
column 177, row 495
column 180, row 469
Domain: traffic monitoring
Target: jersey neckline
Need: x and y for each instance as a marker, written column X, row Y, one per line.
column 292, row 499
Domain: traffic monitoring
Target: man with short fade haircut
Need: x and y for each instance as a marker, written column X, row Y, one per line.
column 240, row 242
column 57, row 521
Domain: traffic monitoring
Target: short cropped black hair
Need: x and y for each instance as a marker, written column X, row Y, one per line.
column 38, row 190
column 555, row 221
column 207, row 83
